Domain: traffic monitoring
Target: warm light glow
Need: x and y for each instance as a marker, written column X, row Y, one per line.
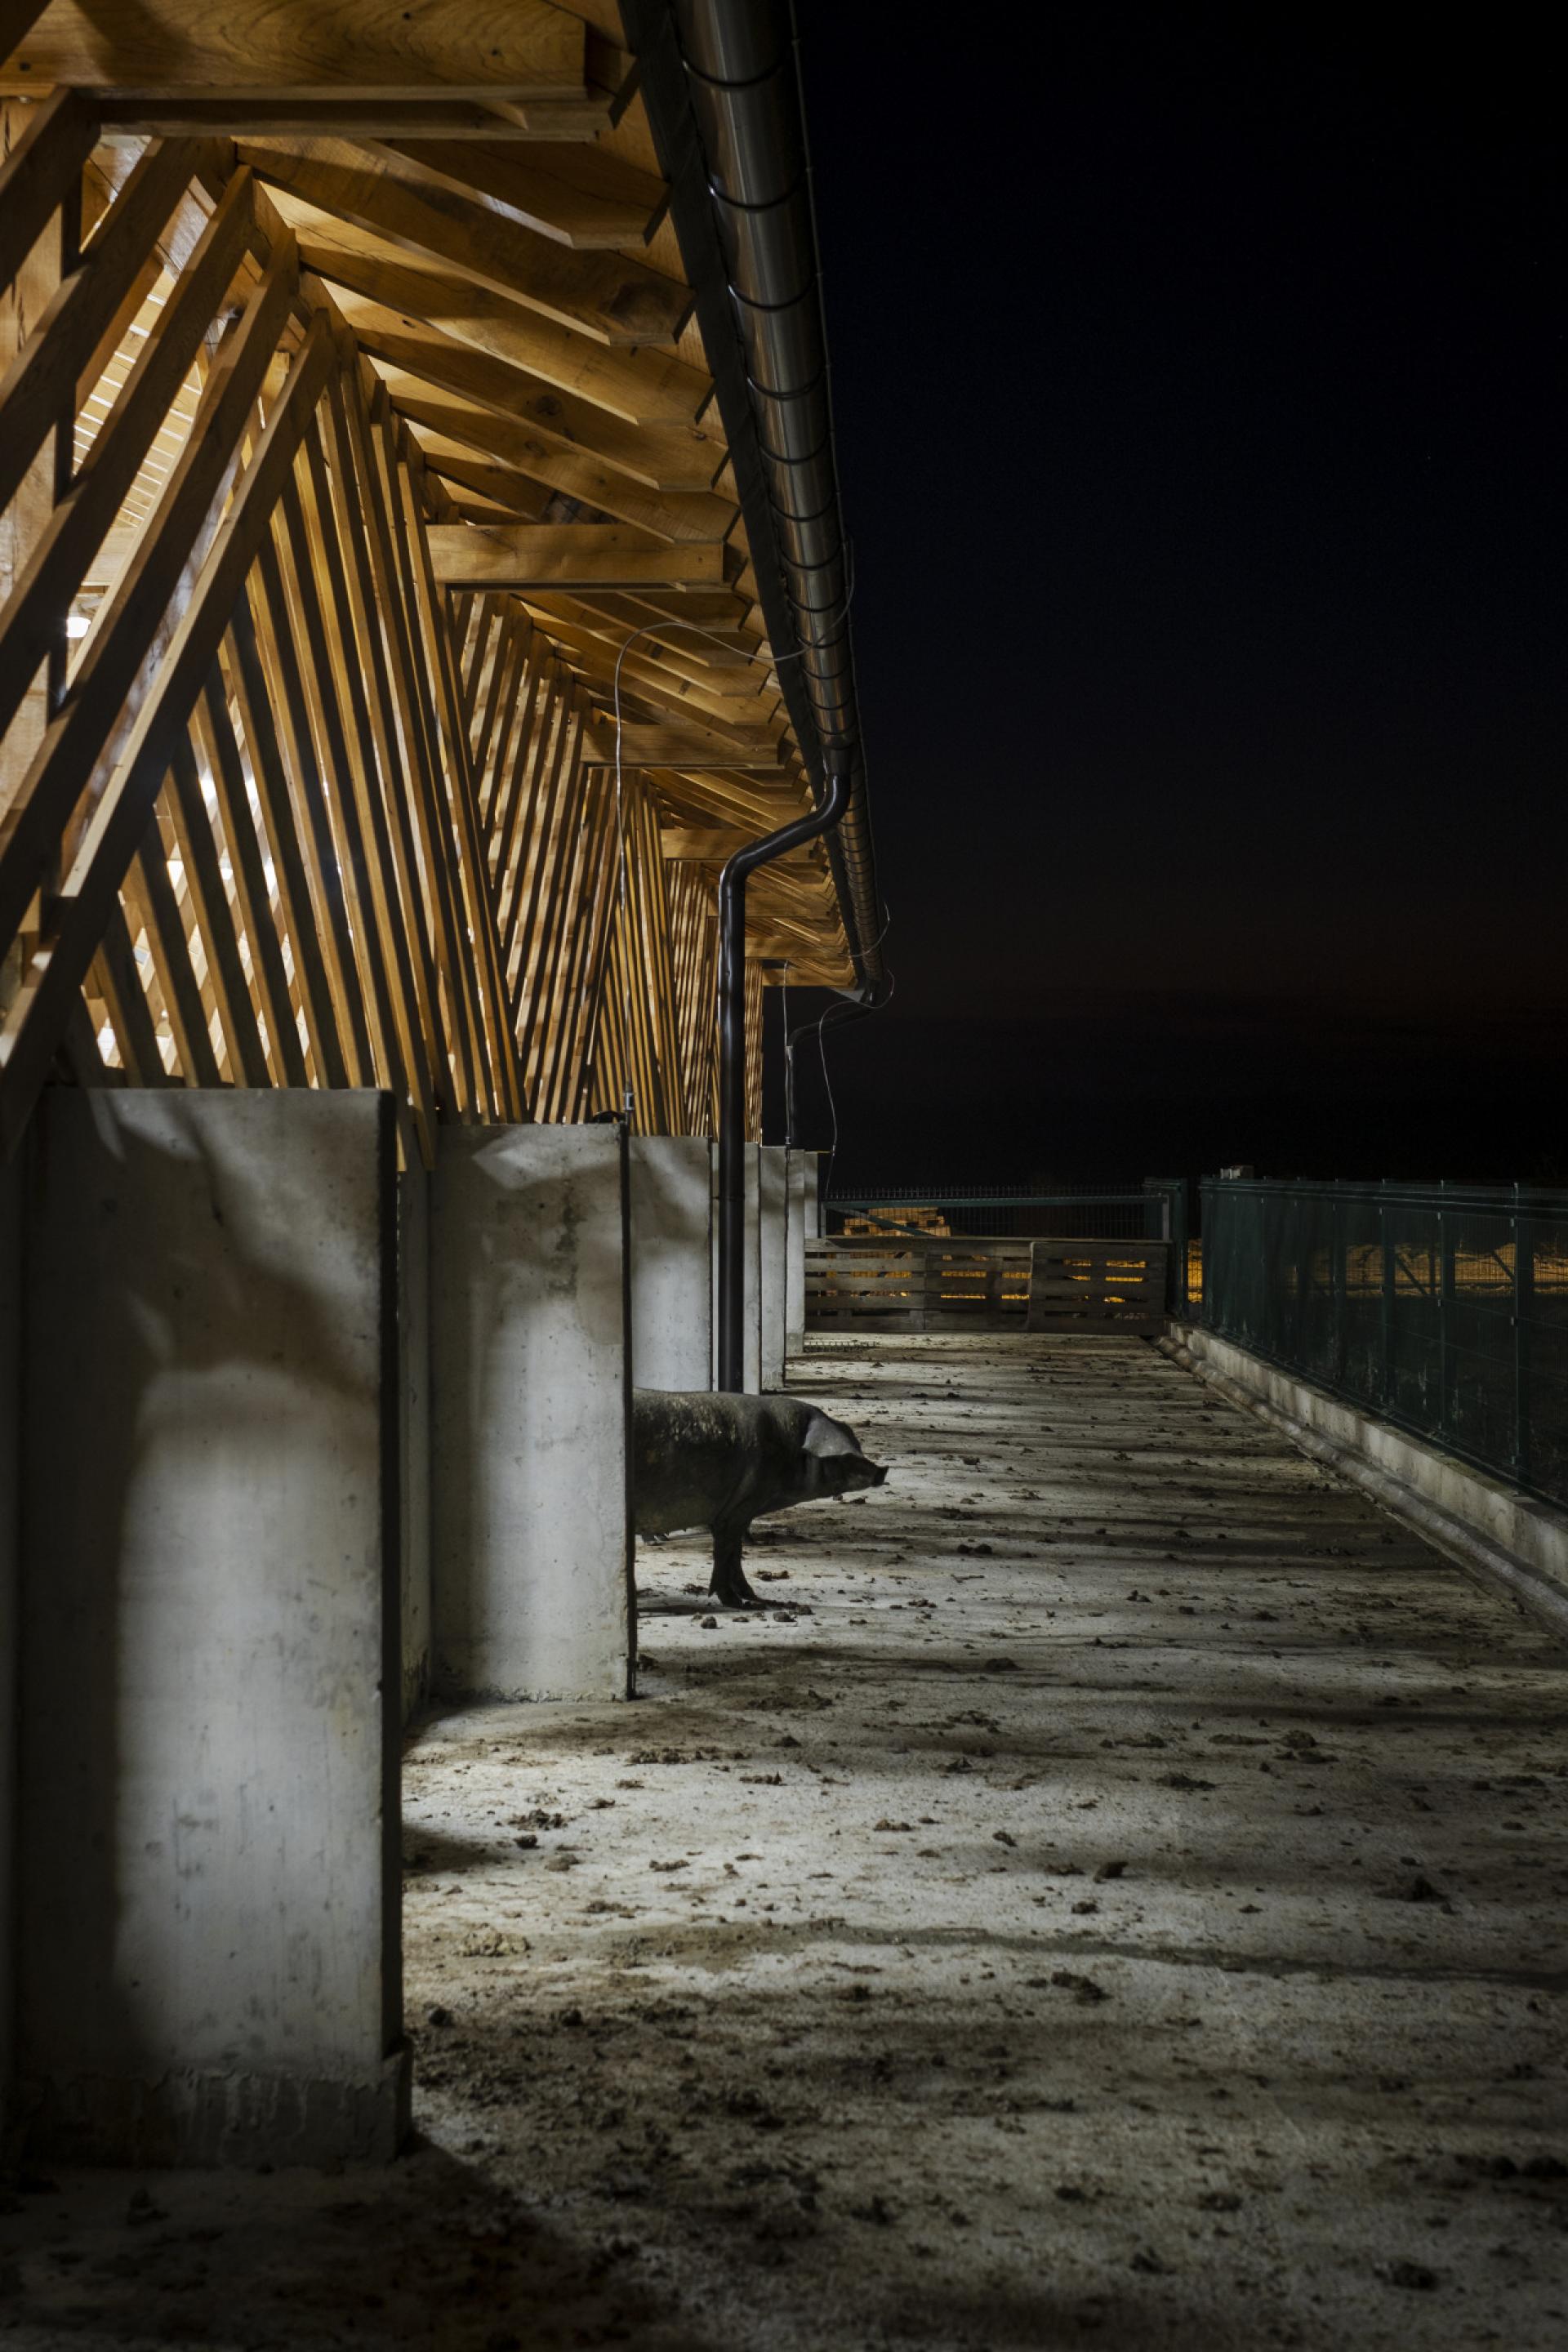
column 76, row 624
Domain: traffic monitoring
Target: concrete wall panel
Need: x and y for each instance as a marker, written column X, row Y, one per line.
column 773, row 1259
column 671, row 1265
column 10, row 1530
column 414, row 1450
column 531, row 1556
column 208, row 1754
column 754, row 1286
column 795, row 1258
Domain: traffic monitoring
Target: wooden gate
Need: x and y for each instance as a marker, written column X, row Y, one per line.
column 924, row 1285
column 1097, row 1285
column 930, row 1283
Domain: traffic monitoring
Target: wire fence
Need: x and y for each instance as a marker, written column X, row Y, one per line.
column 1440, row 1308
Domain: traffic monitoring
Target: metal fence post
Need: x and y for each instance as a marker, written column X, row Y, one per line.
column 1385, row 1317
column 1339, row 1277
column 1445, row 1296
column 1524, row 1315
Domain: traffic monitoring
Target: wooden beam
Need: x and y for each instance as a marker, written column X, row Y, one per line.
column 362, row 206
column 83, row 520
column 121, row 658
column 501, row 48
column 431, row 114
column 500, row 448
column 681, row 845
column 565, row 555
column 640, row 389
column 76, row 919
column 578, row 195
column 51, row 144
column 685, row 746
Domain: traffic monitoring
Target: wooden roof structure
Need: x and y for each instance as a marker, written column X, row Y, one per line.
column 383, row 669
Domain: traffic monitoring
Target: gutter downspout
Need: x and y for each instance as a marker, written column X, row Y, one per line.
column 720, row 81
column 824, row 818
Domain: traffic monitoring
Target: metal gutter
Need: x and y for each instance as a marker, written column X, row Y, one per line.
column 720, row 81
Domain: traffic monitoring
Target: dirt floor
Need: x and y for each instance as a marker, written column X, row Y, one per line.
column 1117, row 1898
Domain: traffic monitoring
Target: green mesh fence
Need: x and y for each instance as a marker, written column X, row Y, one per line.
column 1442, row 1308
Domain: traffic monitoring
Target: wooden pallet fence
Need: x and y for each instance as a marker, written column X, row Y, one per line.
column 938, row 1285
column 1097, row 1285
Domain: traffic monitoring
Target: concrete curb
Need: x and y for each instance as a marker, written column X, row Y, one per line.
column 1506, row 1540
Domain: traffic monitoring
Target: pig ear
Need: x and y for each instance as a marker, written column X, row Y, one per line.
column 828, row 1437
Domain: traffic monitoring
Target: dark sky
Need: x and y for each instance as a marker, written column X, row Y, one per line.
column 1198, row 391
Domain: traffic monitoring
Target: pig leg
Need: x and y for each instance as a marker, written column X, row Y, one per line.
column 729, row 1586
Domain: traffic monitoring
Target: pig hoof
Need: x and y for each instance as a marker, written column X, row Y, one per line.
column 735, row 1593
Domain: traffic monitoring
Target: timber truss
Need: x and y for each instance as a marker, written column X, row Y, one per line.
column 358, row 451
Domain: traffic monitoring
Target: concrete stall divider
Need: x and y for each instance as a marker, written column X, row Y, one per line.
column 10, row 1597
column 795, row 1258
column 671, row 1179
column 206, row 1922
column 754, row 1287
column 531, row 1547
column 772, row 1259
column 413, row 1434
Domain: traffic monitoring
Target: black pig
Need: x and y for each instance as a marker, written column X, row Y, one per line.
column 702, row 1460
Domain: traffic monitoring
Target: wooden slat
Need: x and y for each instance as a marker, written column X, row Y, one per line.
column 353, row 567
column 83, row 518
column 119, row 665
column 252, row 899
column 505, row 460
column 76, row 920
column 442, row 255
column 417, row 361
column 635, row 386
column 568, row 555
column 311, row 945
column 42, row 169
column 341, row 686
column 272, row 636
column 583, row 197
column 297, row 114
column 120, row 984
column 41, row 381
column 149, row 883
column 204, row 880
column 511, row 48
column 501, row 1047
column 684, row 746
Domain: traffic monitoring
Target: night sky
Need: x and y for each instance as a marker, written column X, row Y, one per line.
column 1198, row 393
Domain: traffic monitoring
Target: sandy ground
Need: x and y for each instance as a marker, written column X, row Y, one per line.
column 1118, row 1898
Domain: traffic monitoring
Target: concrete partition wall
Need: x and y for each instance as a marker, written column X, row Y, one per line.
column 773, row 1259
column 414, row 1430
column 795, row 1258
column 531, row 1555
column 10, row 1531
column 208, row 1868
column 671, row 1182
column 752, row 1309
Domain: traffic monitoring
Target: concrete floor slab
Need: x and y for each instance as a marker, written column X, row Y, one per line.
column 1116, row 1901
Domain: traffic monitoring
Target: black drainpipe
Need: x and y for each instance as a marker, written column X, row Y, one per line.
column 824, row 818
